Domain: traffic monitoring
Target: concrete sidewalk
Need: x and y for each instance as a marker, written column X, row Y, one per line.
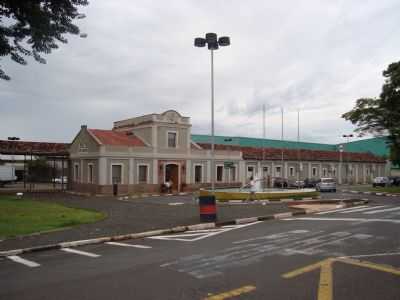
column 138, row 215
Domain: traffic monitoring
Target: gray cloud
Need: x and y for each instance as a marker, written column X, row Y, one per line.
column 316, row 56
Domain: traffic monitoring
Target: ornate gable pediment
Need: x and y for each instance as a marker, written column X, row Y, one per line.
column 172, row 116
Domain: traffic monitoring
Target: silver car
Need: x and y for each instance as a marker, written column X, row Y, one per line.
column 326, row 185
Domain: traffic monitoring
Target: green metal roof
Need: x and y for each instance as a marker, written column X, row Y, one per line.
column 377, row 146
column 259, row 143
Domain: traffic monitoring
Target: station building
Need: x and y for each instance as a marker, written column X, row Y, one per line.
column 140, row 154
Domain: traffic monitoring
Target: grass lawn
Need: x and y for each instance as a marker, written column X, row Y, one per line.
column 24, row 216
column 391, row 189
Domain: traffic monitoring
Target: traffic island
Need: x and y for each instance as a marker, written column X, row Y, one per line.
column 295, row 211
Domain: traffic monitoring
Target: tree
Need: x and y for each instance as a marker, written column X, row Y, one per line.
column 33, row 27
column 381, row 116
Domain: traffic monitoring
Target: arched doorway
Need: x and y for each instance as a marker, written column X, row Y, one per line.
column 172, row 174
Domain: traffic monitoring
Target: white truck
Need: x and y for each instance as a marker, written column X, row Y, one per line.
column 7, row 175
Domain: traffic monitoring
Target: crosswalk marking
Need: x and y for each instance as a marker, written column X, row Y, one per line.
column 84, row 253
column 23, row 261
column 338, row 210
column 128, row 245
column 362, row 209
column 344, row 219
column 381, row 210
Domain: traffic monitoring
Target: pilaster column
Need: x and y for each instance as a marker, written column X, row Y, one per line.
column 131, row 171
column 155, row 171
column 102, row 175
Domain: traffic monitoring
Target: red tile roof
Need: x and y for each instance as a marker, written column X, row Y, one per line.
column 35, row 148
column 250, row 153
column 117, row 138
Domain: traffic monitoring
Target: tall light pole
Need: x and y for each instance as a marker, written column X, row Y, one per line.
column 298, row 149
column 213, row 43
column 340, row 163
column 282, row 168
column 347, row 137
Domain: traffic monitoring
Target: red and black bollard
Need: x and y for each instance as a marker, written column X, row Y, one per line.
column 208, row 209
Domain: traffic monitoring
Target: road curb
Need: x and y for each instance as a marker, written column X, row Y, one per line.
column 176, row 229
column 372, row 193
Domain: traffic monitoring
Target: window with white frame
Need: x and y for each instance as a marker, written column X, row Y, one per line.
column 198, row 173
column 324, row 172
column 250, row 171
column 83, row 147
column 76, row 172
column 116, row 173
column 220, row 173
column 90, row 173
column 265, row 172
column 291, row 171
column 233, row 173
column 143, row 173
column 334, row 172
column 278, row 171
column 314, row 171
column 171, row 136
column 367, row 170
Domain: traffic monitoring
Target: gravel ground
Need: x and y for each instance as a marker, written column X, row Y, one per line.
column 133, row 216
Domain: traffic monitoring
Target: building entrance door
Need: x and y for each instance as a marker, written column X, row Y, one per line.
column 172, row 174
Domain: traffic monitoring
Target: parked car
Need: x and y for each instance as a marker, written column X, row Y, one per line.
column 310, row 182
column 60, row 179
column 381, row 181
column 326, row 185
column 279, row 182
column 7, row 175
column 394, row 180
column 298, row 184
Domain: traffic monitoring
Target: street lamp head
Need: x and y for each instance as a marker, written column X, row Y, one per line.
column 224, row 41
column 212, row 42
column 211, row 37
column 199, row 42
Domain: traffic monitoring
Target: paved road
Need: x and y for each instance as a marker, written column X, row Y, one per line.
column 347, row 254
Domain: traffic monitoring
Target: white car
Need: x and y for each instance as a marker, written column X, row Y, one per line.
column 326, row 185
column 60, row 179
column 381, row 181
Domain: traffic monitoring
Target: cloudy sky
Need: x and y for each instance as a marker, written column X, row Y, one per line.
column 139, row 58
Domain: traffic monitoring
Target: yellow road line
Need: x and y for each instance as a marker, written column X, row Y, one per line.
column 325, row 281
column 305, row 269
column 232, row 293
column 370, row 265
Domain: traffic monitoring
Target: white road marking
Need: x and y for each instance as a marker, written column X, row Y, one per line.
column 332, row 241
column 381, row 210
column 128, row 245
column 273, row 237
column 23, row 261
column 188, row 237
column 344, row 219
column 84, row 253
column 212, row 264
column 362, row 209
column 175, row 203
column 338, row 210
